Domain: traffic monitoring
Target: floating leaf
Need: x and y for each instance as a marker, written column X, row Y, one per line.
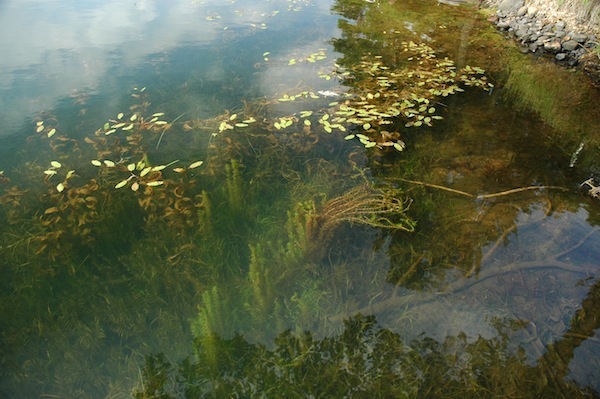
column 145, row 171
column 155, row 183
column 60, row 187
column 50, row 172
column 120, row 116
column 232, row 117
column 159, row 168
column 122, row 183
column 349, row 137
column 56, row 164
column 399, row 146
column 241, row 124
column 158, row 114
column 51, row 210
column 292, row 61
column 39, row 123
column 307, row 122
column 70, row 174
column 95, row 162
column 133, row 117
column 178, row 170
column 39, row 128
column 128, row 127
column 109, row 132
column 159, row 123
column 109, row 163
column 366, row 126
column 135, row 186
column 131, row 167
column 195, row 164
column 51, row 132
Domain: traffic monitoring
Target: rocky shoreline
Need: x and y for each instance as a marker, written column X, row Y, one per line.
column 538, row 33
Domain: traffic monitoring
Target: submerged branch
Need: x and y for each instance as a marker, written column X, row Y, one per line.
column 457, row 286
column 481, row 196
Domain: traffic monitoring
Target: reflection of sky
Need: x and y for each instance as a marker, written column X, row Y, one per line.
column 53, row 48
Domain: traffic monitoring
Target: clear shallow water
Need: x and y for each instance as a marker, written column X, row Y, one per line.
column 222, row 250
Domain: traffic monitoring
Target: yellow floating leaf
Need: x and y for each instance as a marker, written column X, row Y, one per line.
column 241, row 124
column 135, row 186
column 158, row 168
column 145, row 171
column 60, row 187
column 39, row 123
column 39, row 128
column 122, row 183
column 51, row 132
column 56, row 164
column 109, row 163
column 95, row 162
column 349, row 137
column 232, row 117
column 366, row 126
column 178, row 170
column 109, row 132
column 307, row 122
column 51, row 210
column 131, row 167
column 70, row 174
column 128, row 127
column 399, row 146
column 158, row 114
column 195, row 164
column 120, row 115
column 292, row 61
column 160, row 123
column 154, row 183
column 50, row 172
column 133, row 117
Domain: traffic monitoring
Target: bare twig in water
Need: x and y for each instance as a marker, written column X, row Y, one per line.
column 481, row 196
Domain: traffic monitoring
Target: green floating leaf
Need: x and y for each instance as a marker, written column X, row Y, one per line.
column 122, row 183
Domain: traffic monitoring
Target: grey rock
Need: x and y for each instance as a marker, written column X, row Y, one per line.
column 559, row 34
column 560, row 56
column 503, row 24
column 511, row 5
column 521, row 32
column 533, row 47
column 531, row 11
column 570, row 45
column 552, row 47
column 579, row 37
column 560, row 25
column 522, row 11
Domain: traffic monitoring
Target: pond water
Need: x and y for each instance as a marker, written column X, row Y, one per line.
column 291, row 198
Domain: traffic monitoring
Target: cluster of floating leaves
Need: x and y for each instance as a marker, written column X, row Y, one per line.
column 383, row 99
column 71, row 203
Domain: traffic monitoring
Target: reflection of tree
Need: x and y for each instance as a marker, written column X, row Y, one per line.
column 555, row 361
column 364, row 361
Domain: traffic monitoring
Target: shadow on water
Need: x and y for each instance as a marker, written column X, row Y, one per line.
column 247, row 244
